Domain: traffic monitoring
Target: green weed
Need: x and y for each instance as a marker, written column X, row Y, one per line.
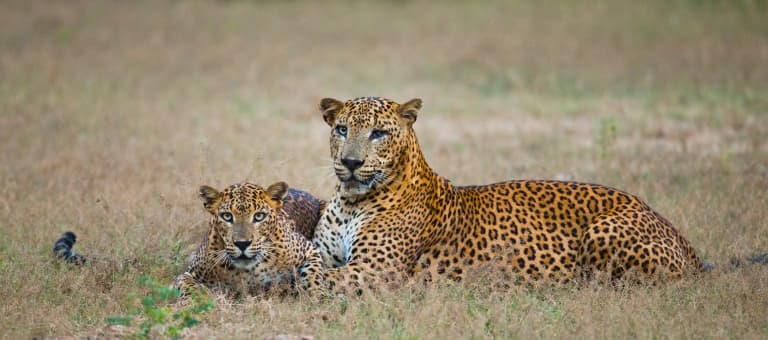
column 606, row 136
column 157, row 316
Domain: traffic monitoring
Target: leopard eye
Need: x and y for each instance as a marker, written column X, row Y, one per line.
column 376, row 134
column 227, row 217
column 341, row 130
column 259, row 216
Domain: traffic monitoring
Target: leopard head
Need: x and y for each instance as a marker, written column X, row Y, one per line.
column 370, row 139
column 245, row 219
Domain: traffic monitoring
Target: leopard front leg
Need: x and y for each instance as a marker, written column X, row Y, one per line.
column 311, row 276
column 187, row 283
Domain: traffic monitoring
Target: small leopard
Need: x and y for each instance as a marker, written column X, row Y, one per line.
column 257, row 238
column 251, row 244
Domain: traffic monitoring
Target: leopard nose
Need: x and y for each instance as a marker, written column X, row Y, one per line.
column 242, row 245
column 351, row 163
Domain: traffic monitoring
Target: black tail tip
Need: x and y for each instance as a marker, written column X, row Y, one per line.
column 63, row 249
column 66, row 241
column 70, row 236
column 756, row 259
column 759, row 259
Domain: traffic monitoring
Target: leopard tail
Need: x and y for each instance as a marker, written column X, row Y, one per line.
column 62, row 249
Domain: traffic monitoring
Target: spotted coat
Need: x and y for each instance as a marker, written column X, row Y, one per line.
column 253, row 242
column 392, row 216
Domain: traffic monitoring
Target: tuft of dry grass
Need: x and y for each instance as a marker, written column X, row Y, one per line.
column 113, row 113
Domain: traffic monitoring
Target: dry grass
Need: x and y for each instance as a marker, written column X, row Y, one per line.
column 113, row 113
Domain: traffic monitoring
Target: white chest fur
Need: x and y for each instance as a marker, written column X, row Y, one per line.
column 337, row 233
column 349, row 233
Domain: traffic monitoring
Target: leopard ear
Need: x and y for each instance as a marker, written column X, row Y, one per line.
column 330, row 108
column 410, row 110
column 277, row 192
column 210, row 197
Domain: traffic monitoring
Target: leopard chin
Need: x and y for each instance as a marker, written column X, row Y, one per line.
column 246, row 263
column 354, row 187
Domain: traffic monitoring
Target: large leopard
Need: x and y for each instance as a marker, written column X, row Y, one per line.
column 393, row 216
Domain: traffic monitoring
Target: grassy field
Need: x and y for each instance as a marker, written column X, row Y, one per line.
column 112, row 113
